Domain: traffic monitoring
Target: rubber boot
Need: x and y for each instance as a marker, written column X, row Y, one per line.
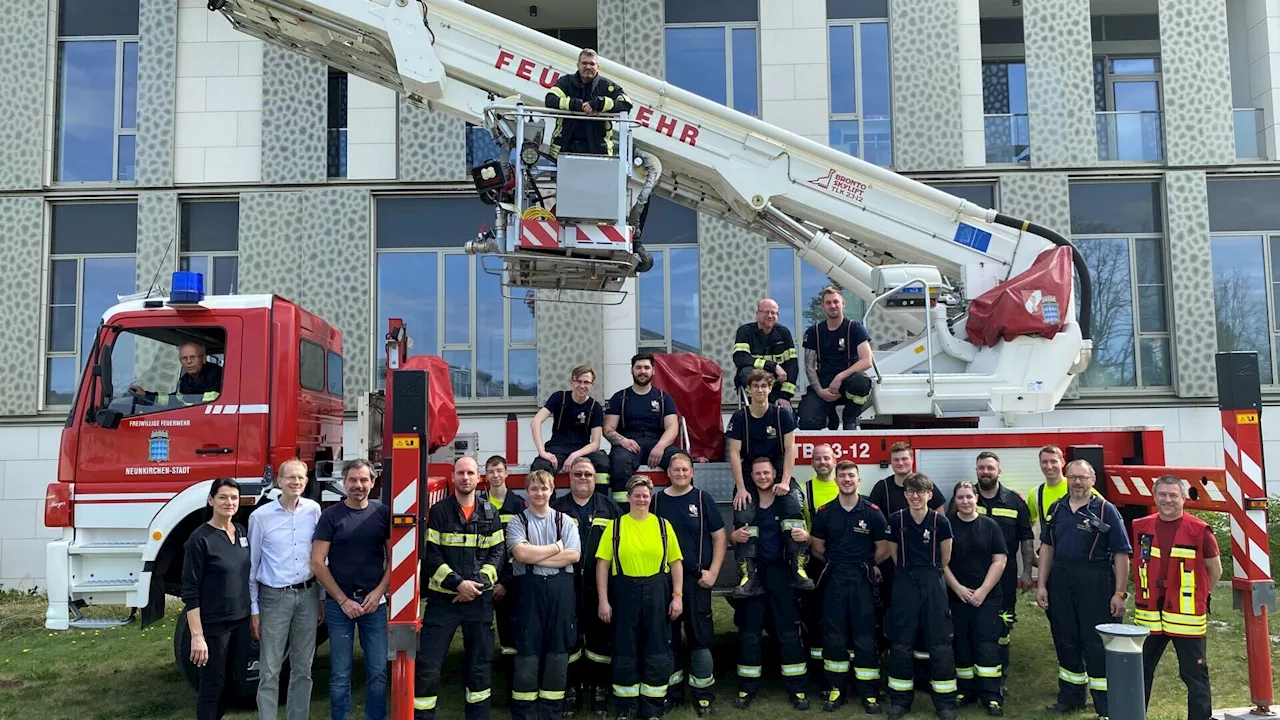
column 800, row 580
column 749, row 584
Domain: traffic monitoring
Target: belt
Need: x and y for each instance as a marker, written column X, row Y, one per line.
column 306, row 585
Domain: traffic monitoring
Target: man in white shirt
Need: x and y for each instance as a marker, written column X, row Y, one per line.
column 284, row 597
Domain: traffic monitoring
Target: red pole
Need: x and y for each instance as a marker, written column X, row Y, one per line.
column 513, row 439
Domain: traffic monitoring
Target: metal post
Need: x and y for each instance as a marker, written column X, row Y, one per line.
column 1126, row 698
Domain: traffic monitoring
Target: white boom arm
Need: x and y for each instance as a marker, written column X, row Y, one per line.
column 843, row 215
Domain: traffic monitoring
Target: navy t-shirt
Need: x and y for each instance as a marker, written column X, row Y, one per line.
column 761, row 436
column 891, row 497
column 974, row 543
column 572, row 422
column 919, row 544
column 694, row 516
column 1071, row 537
column 769, row 543
column 837, row 349
column 641, row 415
column 851, row 535
column 358, row 544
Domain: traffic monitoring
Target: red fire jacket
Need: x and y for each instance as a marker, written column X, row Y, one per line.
column 1171, row 592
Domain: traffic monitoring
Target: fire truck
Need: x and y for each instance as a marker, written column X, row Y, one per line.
column 996, row 310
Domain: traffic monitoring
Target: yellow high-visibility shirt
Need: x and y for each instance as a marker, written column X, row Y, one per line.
column 824, row 491
column 639, row 546
column 1045, row 495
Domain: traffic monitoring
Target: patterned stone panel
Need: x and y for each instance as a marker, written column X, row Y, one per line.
column 1195, row 336
column 1196, row 78
column 569, row 334
column 22, row 85
column 733, row 274
column 157, row 69
column 631, row 33
column 157, row 239
column 1060, row 103
column 926, row 106
column 295, row 91
column 21, row 278
column 271, row 239
column 432, row 145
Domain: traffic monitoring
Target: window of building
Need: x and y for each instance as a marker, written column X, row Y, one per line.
column 454, row 304
column 97, row 98
column 91, row 263
column 858, row 54
column 1004, row 107
column 1128, row 103
column 980, row 194
column 1244, row 243
column 719, row 62
column 797, row 286
column 209, row 243
column 337, row 123
column 1119, row 229
column 668, row 317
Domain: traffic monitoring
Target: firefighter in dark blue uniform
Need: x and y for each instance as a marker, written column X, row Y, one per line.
column 766, row 345
column 577, row 422
column 978, row 557
column 837, row 356
column 641, row 424
column 1083, row 583
column 1013, row 516
column 506, row 592
column 589, row 92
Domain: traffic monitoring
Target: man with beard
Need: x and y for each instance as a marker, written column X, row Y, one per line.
column 1013, row 516
column 641, row 425
column 837, row 356
column 586, row 91
column 766, row 345
column 819, row 491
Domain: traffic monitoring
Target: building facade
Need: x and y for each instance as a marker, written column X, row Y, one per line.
column 145, row 136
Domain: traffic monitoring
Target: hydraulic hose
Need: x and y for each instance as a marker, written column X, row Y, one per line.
column 1077, row 260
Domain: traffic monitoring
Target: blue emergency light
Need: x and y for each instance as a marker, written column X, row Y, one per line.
column 187, row 287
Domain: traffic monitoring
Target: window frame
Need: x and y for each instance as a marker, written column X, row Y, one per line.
column 1010, row 60
column 342, row 148
column 728, row 28
column 1270, row 287
column 210, row 281
column 1109, row 99
column 858, row 115
column 666, row 344
column 118, row 97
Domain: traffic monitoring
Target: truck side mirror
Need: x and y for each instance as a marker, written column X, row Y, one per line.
column 103, row 371
column 108, row 418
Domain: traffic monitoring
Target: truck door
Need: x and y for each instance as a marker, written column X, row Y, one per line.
column 176, row 385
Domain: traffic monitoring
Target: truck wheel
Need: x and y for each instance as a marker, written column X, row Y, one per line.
column 248, row 690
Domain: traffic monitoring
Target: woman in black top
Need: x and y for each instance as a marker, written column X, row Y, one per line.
column 215, row 594
column 978, row 556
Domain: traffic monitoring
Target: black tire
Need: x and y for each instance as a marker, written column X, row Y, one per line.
column 248, row 691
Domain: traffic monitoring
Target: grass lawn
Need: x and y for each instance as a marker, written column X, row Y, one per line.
column 128, row 674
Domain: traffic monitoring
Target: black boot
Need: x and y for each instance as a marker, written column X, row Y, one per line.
column 749, row 584
column 800, row 579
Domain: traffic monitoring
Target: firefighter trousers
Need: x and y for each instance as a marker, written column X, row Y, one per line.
column 977, row 646
column 505, row 612
column 884, row 593
column 811, row 624
column 440, row 622
column 790, row 514
column 1192, row 668
column 815, row 413
column 598, row 459
column 849, row 632
column 1008, row 589
column 1079, row 601
column 642, row 662
column 692, row 635
column 546, row 633
column 623, row 463
column 920, row 604
column 777, row 604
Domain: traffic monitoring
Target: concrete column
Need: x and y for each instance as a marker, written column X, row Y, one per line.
column 23, row 276
column 29, row 65
column 733, row 274
column 619, row 341
column 1196, row 78
column 295, row 95
column 794, row 81
column 432, row 146
column 157, row 253
column 1195, row 335
column 157, row 75
column 925, row 55
column 1263, row 19
column 1060, row 102
column 972, row 125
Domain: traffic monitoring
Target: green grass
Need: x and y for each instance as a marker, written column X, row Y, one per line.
column 128, row 674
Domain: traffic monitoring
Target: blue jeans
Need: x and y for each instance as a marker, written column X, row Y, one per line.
column 373, row 641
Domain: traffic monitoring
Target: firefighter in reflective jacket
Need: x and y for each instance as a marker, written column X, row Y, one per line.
column 463, row 554
column 1175, row 566
column 1084, row 573
column 589, row 92
column 766, row 345
column 589, row 661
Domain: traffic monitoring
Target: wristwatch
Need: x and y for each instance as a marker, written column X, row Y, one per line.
column 1123, row 595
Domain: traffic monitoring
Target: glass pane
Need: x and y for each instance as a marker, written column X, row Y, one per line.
column 1135, row 66
column 407, row 289
column 86, row 111
column 1017, row 88
column 481, row 147
column 210, row 226
column 522, row 373
column 844, row 136
column 1240, row 298
column 1150, row 261
column 1155, row 362
column 195, row 263
column 522, row 315
column 129, row 88
column 125, row 159
column 459, row 371
column 62, row 328
column 457, row 299
column 1244, row 204
column 1136, row 95
column 812, row 281
column 696, row 61
column 1113, row 350
column 670, row 223
column 746, row 93
column 1099, row 208
column 843, row 83
column 62, row 282
column 1151, row 310
column 782, row 284
column 226, row 275
column 490, row 340
column 651, row 301
column 105, row 279
column 875, row 70
column 877, row 139
column 420, row 222
column 311, row 366
column 98, row 17
column 94, row 228
column 60, row 381
column 335, row 374
column 685, row 332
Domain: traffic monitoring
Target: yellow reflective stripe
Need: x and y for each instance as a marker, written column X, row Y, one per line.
column 1183, row 624
column 555, row 90
column 600, row 522
column 1099, row 684
column 1155, row 551
column 789, row 388
column 608, row 105
column 1149, row 619
column 433, row 536
column 494, row 539
column 507, row 650
column 1183, row 552
column 1187, row 592
column 1003, row 640
column 490, row 572
column 1142, row 582
column 901, row 685
column 627, row 691
column 866, row 673
column 918, row 655
column 477, row 696
column 741, row 347
column 576, row 656
column 209, row 396
column 676, row 678
column 701, row 683
column 598, row 658
column 425, row 703
column 964, row 673
column 815, row 653
column 835, row 666
column 506, row 518
column 620, row 496
column 759, row 363
column 943, row 686
column 551, row 694
column 653, row 691
column 987, row 671
column 753, row 531
column 525, row 696
column 602, row 479
column 749, row 671
column 1071, row 677
column 1004, row 512
column 468, row 540
column 441, row 573
column 790, row 525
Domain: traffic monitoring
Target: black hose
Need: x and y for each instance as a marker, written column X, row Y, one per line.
column 1082, row 270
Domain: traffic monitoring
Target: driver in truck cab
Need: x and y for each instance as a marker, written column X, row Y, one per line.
column 586, row 91
column 199, row 376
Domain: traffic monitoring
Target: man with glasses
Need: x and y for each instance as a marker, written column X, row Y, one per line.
column 577, row 421
column 766, row 345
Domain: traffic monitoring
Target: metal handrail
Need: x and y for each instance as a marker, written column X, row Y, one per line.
column 928, row 327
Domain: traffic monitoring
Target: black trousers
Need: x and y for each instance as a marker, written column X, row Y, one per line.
column 221, row 677
column 977, row 647
column 790, row 512
column 440, row 622
column 811, row 623
column 776, row 605
column 547, row 631
column 888, row 571
column 849, row 631
column 598, row 459
column 692, row 635
column 642, row 662
column 920, row 604
column 623, row 463
column 1008, row 610
column 591, row 662
column 1193, row 668
column 1079, row 601
column 505, row 613
column 818, row 414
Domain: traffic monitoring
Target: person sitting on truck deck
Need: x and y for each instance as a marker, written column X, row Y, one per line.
column 769, row 346
column 589, row 92
column 199, row 376
column 648, row 417
column 575, row 430
column 837, row 355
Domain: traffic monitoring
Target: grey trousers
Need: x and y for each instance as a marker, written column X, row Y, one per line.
column 288, row 620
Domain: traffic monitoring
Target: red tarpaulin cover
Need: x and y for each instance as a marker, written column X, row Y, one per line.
column 694, row 382
column 1032, row 303
column 442, row 417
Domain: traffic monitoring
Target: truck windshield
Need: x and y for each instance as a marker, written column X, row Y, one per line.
column 159, row 369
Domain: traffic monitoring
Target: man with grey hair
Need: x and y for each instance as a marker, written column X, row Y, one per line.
column 589, row 92
column 199, row 376
column 769, row 346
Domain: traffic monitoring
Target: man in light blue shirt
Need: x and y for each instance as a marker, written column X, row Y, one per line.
column 284, row 597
